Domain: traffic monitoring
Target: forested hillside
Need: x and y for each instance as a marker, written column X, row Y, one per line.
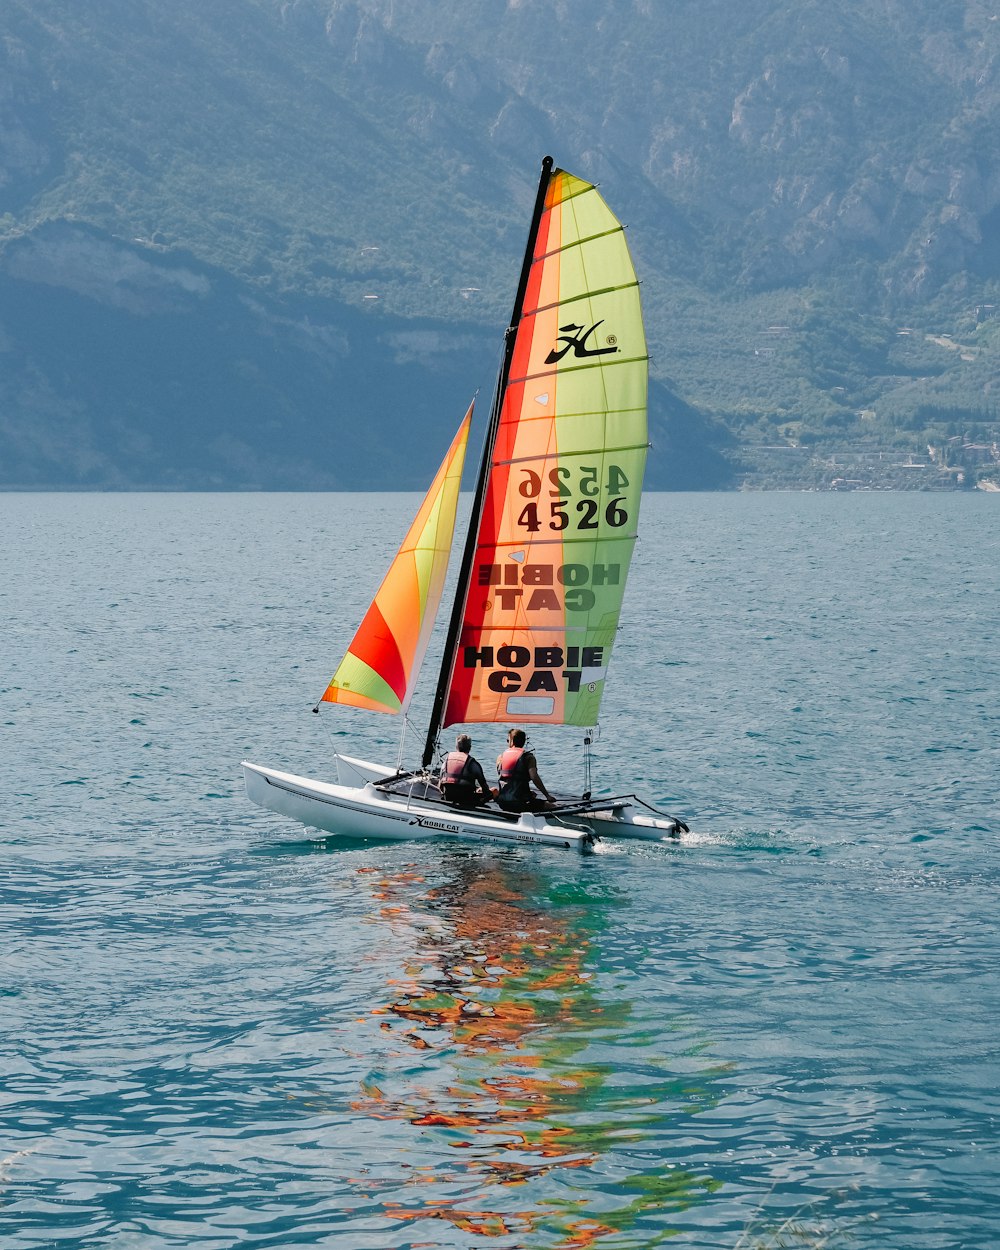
column 273, row 243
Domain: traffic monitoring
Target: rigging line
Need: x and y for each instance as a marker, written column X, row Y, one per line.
column 588, row 738
column 326, row 725
column 402, row 741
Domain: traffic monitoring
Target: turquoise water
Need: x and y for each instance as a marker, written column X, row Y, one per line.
column 218, row 1031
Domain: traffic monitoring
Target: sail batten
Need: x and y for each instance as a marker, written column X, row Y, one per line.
column 524, row 378
column 519, row 544
column 585, row 451
column 568, row 247
column 572, row 299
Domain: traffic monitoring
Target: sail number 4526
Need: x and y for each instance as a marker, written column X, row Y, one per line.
column 588, row 510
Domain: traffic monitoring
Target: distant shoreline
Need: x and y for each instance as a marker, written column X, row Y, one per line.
column 985, row 487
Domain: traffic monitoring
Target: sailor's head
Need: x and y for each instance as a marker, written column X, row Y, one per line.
column 517, row 737
column 463, row 743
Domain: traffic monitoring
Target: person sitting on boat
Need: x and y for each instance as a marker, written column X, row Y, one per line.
column 463, row 781
column 518, row 771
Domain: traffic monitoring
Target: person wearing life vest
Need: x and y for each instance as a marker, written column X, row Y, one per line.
column 518, row 771
column 463, row 781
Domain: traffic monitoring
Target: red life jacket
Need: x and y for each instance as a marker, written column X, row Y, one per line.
column 508, row 762
column 459, row 782
column 455, row 763
column 515, row 788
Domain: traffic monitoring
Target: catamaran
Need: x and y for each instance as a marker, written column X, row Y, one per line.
column 544, row 562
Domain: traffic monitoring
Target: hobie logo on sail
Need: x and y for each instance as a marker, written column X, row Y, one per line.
column 512, row 669
column 550, row 587
column 575, row 339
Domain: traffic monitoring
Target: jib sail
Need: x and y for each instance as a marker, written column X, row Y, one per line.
column 380, row 668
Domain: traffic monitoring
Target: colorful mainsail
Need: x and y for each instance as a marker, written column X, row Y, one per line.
column 558, row 517
column 381, row 665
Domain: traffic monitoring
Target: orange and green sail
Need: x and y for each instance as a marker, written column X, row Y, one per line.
column 381, row 665
column 557, row 522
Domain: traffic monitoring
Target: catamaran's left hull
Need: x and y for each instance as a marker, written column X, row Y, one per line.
column 365, row 812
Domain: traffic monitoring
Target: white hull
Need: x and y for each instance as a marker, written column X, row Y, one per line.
column 626, row 821
column 363, row 811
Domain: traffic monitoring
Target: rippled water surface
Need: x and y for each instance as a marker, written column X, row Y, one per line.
column 219, row 1031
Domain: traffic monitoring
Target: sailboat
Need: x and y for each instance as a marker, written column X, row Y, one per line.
column 544, row 562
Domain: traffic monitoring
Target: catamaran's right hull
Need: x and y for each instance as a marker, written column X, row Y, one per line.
column 625, row 821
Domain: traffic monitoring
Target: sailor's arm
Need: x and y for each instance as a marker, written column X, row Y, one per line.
column 539, row 784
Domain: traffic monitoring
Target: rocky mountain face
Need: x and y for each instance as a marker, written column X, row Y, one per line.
column 258, row 243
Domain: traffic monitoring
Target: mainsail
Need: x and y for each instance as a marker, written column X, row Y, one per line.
column 544, row 585
column 380, row 668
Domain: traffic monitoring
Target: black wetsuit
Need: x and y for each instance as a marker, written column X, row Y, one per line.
column 463, row 781
column 515, row 793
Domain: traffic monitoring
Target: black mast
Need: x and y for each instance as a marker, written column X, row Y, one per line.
column 469, row 554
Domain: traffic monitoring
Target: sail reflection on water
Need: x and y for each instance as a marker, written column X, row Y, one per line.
column 532, row 1087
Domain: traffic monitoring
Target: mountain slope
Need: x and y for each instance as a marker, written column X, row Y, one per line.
column 234, row 235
